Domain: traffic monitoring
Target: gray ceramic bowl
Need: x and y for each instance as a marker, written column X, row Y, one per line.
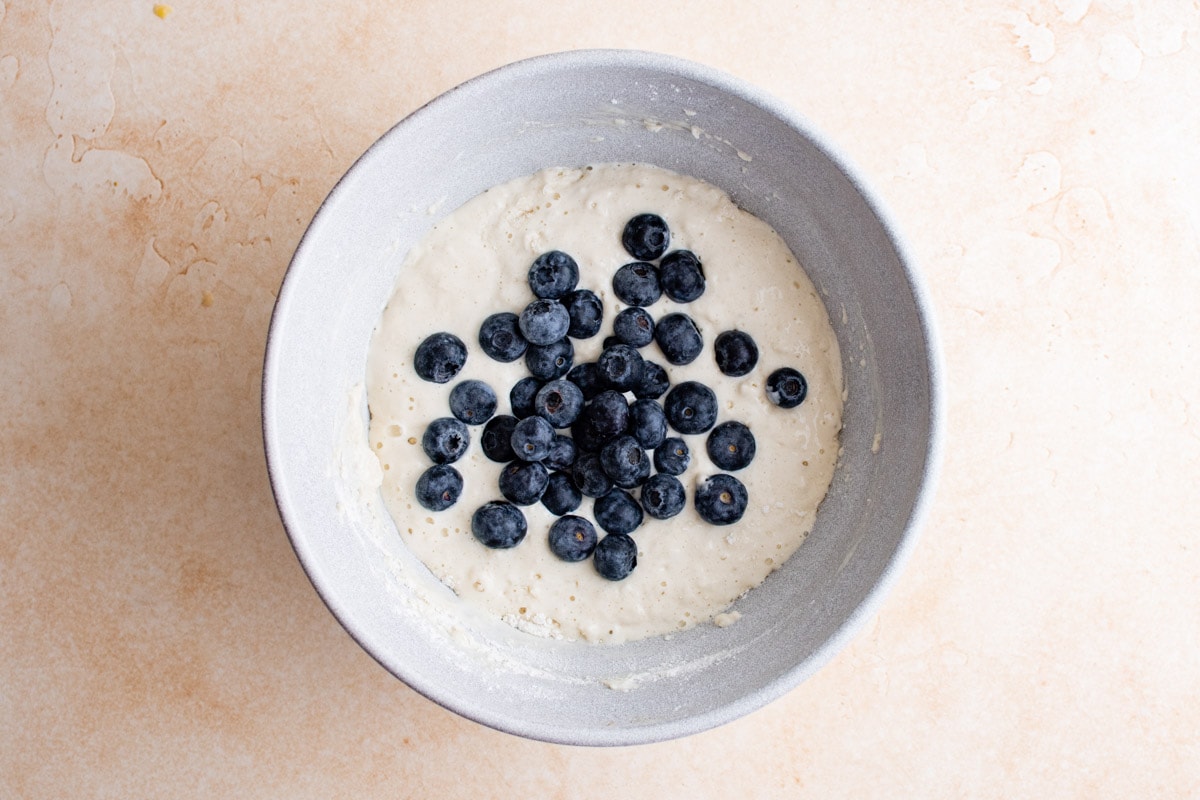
column 564, row 110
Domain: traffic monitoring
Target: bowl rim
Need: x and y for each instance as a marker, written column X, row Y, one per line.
column 788, row 679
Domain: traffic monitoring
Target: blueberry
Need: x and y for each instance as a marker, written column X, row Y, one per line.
column 609, row 341
column 500, row 337
column 636, row 284
column 499, row 525
column 681, row 276
column 654, row 383
column 496, row 439
column 647, row 423
column 550, row 361
column 523, row 483
column 721, row 500
column 586, row 313
column 786, row 387
column 691, row 407
column 672, row 457
column 646, row 237
column 572, row 538
column 587, row 378
column 663, row 497
column 559, row 402
column 439, row 487
column 603, row 419
column 620, row 367
column 617, row 512
column 731, row 446
column 678, row 338
column 445, row 440
column 624, row 461
column 589, row 476
column 562, row 496
column 553, row 275
column 736, row 353
column 440, row 357
column 634, row 327
column 544, row 321
column 563, row 453
column 532, row 439
column 521, row 396
column 473, row 402
column 615, row 556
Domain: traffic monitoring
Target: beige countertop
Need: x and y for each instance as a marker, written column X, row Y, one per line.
column 157, row 635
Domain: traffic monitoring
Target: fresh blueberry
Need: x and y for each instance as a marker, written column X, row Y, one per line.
column 731, row 446
column 624, row 461
column 445, row 440
column 615, row 556
column 500, row 337
column 654, row 383
column 609, row 341
column 636, row 284
column 439, row 487
column 521, row 396
column 647, row 423
column 544, row 321
column 634, row 326
column 586, row 313
column 532, row 439
column 440, row 357
column 550, row 361
column 617, row 512
column 559, row 402
column 620, row 367
column 603, row 419
column 721, row 500
column 473, row 402
column 496, row 439
column 562, row 496
column 662, row 496
column 523, row 483
column 587, row 378
column 563, row 453
column 499, row 525
column 736, row 353
column 553, row 275
column 678, row 338
column 590, row 477
column 786, row 387
column 572, row 538
column 681, row 276
column 646, row 237
column 672, row 457
column 691, row 407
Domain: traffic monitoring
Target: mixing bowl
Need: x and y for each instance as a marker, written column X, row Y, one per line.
column 572, row 109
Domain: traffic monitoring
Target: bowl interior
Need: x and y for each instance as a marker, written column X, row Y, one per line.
column 570, row 110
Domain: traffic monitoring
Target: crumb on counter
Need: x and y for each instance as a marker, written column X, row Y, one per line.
column 161, row 10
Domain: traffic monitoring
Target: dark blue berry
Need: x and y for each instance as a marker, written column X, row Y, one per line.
column 521, row 396
column 617, row 512
column 691, row 407
column 606, row 417
column 553, row 274
column 678, row 338
column 544, row 321
column 445, row 440
column 440, row 357
column 636, row 284
column 586, row 313
column 562, row 496
column 439, row 487
column 662, row 496
column 721, row 500
column 572, row 538
column 786, row 387
column 620, row 367
column 559, row 402
column 625, row 462
column 654, row 383
column 615, row 556
column 590, row 477
column 532, row 439
column 500, row 337
column 735, row 352
column 550, row 361
column 634, row 327
column 672, row 457
column 499, row 525
column 681, row 276
column 609, row 341
column 587, row 378
column 646, row 237
column 563, row 453
column 523, row 483
column 496, row 439
column 473, row 402
column 647, row 423
column 731, row 446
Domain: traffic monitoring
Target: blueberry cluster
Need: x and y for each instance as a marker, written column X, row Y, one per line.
column 574, row 431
